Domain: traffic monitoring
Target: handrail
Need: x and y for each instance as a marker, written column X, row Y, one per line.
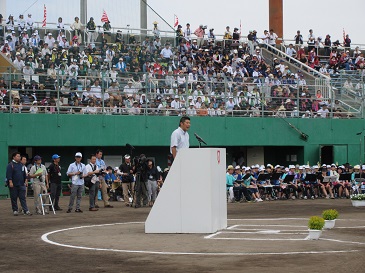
column 297, row 62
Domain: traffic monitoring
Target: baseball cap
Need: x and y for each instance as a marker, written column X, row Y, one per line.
column 127, row 156
column 78, row 154
column 37, row 157
column 55, row 156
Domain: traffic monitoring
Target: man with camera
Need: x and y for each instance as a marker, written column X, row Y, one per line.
column 103, row 186
column 127, row 170
column 40, row 183
column 140, row 169
column 76, row 172
column 92, row 181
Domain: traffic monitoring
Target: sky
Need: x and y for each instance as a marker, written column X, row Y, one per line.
column 324, row 17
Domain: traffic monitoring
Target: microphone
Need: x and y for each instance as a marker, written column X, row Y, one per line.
column 129, row 146
column 200, row 139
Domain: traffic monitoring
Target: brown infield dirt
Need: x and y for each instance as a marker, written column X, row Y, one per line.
column 262, row 237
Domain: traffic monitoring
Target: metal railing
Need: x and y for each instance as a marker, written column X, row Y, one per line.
column 144, row 94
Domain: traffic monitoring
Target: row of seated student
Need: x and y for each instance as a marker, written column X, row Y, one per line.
column 258, row 183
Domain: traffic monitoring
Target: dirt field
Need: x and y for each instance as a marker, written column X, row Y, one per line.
column 261, row 237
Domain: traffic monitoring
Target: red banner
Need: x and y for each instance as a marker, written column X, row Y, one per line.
column 176, row 21
column 104, row 17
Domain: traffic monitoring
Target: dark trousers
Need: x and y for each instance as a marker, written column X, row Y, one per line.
column 141, row 192
column 55, row 193
column 239, row 191
column 93, row 191
column 15, row 193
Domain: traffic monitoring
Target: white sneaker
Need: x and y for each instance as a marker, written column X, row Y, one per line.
column 293, row 197
column 305, row 197
column 15, row 213
column 260, row 200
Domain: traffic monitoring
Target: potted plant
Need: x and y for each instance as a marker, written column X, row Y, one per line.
column 358, row 200
column 315, row 225
column 329, row 216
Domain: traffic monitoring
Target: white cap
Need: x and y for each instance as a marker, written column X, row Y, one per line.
column 247, row 169
column 116, row 168
column 301, row 168
column 127, row 156
column 291, row 167
column 78, row 154
column 277, row 166
column 363, row 167
column 238, row 167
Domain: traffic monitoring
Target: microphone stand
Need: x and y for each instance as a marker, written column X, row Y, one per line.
column 200, row 140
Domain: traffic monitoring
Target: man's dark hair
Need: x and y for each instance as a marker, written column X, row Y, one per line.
column 183, row 119
column 109, row 168
column 23, row 156
column 98, row 151
column 14, row 154
column 91, row 156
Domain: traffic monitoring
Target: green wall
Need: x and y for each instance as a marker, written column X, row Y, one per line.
column 66, row 134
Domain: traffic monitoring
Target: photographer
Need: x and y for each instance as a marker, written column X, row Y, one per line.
column 40, row 183
column 103, row 186
column 127, row 170
column 153, row 176
column 76, row 172
column 140, row 168
column 92, row 181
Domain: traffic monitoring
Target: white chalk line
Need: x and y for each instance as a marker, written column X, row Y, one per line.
column 44, row 237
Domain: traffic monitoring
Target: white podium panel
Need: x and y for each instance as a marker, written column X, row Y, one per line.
column 193, row 197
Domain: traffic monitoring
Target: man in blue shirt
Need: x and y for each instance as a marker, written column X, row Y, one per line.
column 104, row 187
column 17, row 183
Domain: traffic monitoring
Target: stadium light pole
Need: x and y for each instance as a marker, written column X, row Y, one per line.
column 143, row 16
column 360, row 142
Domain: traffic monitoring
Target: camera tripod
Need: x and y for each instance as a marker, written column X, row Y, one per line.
column 140, row 190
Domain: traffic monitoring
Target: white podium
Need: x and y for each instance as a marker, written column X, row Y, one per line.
column 193, row 198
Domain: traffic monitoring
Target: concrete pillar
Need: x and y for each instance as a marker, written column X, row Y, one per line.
column 276, row 17
column 143, row 17
column 3, row 10
column 83, row 12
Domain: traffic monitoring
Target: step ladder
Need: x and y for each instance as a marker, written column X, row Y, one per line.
column 50, row 204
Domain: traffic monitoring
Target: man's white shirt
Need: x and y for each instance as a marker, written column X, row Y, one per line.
column 179, row 139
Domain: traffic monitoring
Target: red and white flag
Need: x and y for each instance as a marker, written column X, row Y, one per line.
column 104, row 17
column 44, row 17
column 176, row 21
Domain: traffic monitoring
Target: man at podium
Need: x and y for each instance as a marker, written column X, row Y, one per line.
column 180, row 137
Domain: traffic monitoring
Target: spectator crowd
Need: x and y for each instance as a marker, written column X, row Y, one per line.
column 201, row 75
